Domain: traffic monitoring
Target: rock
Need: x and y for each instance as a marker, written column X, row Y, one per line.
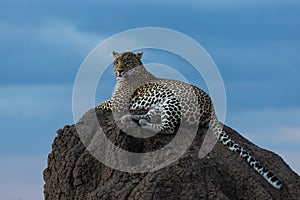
column 73, row 173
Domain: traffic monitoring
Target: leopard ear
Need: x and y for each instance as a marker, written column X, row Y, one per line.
column 139, row 55
column 114, row 54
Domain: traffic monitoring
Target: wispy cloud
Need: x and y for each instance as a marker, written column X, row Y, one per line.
column 25, row 182
column 34, row 101
column 30, row 115
column 288, row 135
column 57, row 34
column 277, row 130
column 50, row 52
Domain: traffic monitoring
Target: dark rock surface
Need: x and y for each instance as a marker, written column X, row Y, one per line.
column 73, row 173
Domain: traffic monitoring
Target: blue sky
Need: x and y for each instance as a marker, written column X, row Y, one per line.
column 256, row 46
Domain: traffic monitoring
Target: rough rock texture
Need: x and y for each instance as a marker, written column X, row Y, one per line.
column 73, row 173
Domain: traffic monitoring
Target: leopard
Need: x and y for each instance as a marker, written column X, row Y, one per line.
column 168, row 103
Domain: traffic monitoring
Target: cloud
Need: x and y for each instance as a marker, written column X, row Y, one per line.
column 259, row 74
column 229, row 5
column 50, row 52
column 21, row 176
column 277, row 130
column 53, row 34
column 30, row 115
column 57, row 35
column 266, row 117
column 34, row 101
column 280, row 137
column 287, row 135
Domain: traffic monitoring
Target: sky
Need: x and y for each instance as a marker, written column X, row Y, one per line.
column 255, row 45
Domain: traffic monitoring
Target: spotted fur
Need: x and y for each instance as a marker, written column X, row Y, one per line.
column 168, row 103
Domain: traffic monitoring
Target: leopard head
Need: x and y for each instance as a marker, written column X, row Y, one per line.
column 124, row 62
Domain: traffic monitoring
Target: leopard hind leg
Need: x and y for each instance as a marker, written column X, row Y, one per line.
column 169, row 114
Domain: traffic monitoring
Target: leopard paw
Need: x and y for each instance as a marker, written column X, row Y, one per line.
column 143, row 122
column 126, row 119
